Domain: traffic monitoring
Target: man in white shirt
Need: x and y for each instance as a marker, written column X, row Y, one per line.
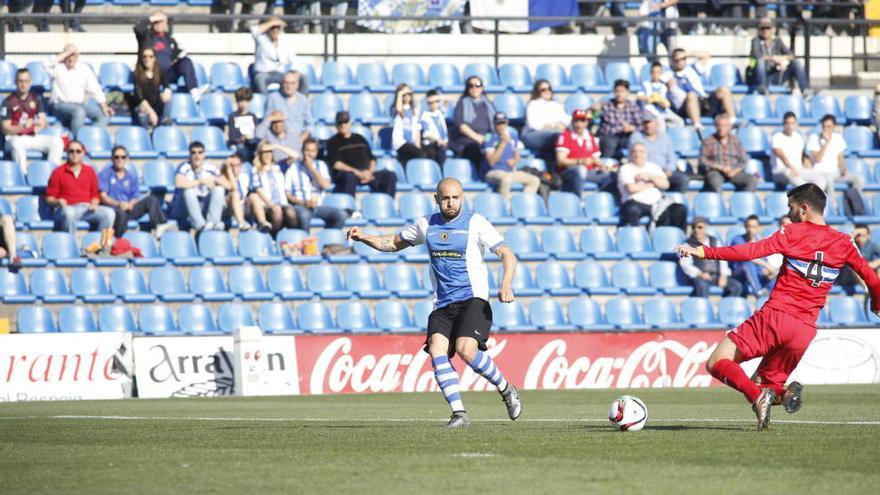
column 688, row 95
column 826, row 150
column 641, row 187
column 307, row 182
column 199, row 195
column 76, row 93
column 791, row 165
column 272, row 58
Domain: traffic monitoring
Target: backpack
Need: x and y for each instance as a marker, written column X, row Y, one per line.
column 853, row 204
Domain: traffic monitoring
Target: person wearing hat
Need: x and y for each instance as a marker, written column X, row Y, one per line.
column 660, row 151
column 772, row 62
column 502, row 153
column 578, row 157
column 286, row 145
column 352, row 162
column 705, row 273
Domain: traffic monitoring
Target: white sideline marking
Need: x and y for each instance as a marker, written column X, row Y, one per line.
column 428, row 420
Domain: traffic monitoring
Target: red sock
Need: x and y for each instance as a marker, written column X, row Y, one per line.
column 730, row 374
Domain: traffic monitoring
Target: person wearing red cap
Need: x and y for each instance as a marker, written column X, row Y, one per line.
column 578, row 157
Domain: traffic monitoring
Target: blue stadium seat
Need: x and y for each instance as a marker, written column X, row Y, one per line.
column 415, row 205
column 553, row 277
column 100, row 260
column 11, row 180
column 7, row 76
column 226, row 76
column 530, row 209
column 167, row 284
column 35, row 319
column 666, row 277
column 556, row 76
column 374, row 255
column 286, row 282
column 493, row 206
column 96, row 140
column 728, row 75
column 711, row 206
column 116, row 76
column 379, row 210
column 394, row 316
column 326, row 282
column 183, row 111
column 354, row 316
column 309, row 79
column 13, row 289
column 600, row 206
column 661, row 314
column 247, row 283
column 276, row 318
column 685, row 141
column 590, row 78
column 170, row 141
column 515, row 77
column 156, row 319
column 41, row 81
column 858, row 109
column 232, row 316
column 559, row 243
column 411, row 74
column 509, row 316
column 597, row 243
column 822, row 105
column 76, row 319
column 136, row 141
column 33, row 212
column 147, row 244
column 446, row 77
column 525, row 244
column 624, row 314
column 115, row 318
column 257, row 248
column 336, row 236
column 665, row 238
column 733, row 310
column 577, row 101
column 630, row 278
column 258, row 104
column 635, row 243
column 61, row 250
column 374, row 77
column 216, row 108
column 423, row 173
column 363, row 281
column 314, row 317
column 757, row 109
column 325, row 105
column 591, row 277
column 207, row 283
column 847, row 311
column 547, row 315
column 698, row 312
column 216, row 246
column 462, row 170
column 213, row 139
column 159, row 176
column 860, row 141
column 622, row 70
column 89, row 285
column 566, row 208
column 486, row 73
column 391, row 163
column 586, row 314
column 421, row 311
column 180, row 248
column 196, row 319
column 49, row 286
column 512, row 105
column 754, row 140
column 402, row 280
column 523, row 283
column 745, row 203
column 795, row 104
column 129, row 285
column 337, row 75
column 364, row 107
column 777, row 204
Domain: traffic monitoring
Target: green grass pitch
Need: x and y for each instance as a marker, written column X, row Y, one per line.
column 696, row 441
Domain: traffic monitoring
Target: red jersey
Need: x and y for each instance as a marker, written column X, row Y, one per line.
column 64, row 185
column 17, row 110
column 814, row 255
column 577, row 147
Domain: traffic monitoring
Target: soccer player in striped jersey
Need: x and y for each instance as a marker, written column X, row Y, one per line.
column 782, row 329
column 462, row 317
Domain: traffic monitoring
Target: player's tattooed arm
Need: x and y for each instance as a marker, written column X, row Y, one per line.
column 388, row 243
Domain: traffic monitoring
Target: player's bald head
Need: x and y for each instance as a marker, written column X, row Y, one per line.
column 449, row 186
column 449, row 197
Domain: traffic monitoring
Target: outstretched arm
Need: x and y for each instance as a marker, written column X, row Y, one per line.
column 740, row 252
column 388, row 243
column 855, row 260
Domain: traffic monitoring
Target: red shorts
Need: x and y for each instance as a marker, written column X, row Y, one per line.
column 779, row 337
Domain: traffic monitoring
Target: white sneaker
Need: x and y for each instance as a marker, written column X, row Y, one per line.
column 510, row 396
column 165, row 227
column 219, row 226
column 198, row 92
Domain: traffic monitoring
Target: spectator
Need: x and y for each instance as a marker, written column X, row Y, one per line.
column 655, row 98
column 578, row 157
column 73, row 193
column 661, row 151
column 310, row 8
column 119, row 189
column 76, row 93
column 199, row 194
column 620, row 118
column 772, row 62
column 877, row 109
column 472, row 121
column 648, row 32
column 242, row 125
column 687, row 94
column 268, row 199
column 775, row 261
column 406, row 136
column 502, row 153
column 22, row 120
column 545, row 120
column 723, row 159
column 237, row 182
column 826, row 150
column 869, row 250
column 353, row 163
column 151, row 91
column 272, row 58
column 293, row 105
column 757, row 275
column 44, row 6
column 704, row 273
column 791, row 165
column 286, row 145
column 75, row 24
column 435, row 136
column 307, row 182
column 736, row 11
column 155, row 32
column 641, row 186
column 8, row 248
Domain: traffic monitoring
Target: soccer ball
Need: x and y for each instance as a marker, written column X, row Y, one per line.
column 628, row 413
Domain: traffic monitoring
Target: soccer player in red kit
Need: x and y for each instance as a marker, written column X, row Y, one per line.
column 782, row 329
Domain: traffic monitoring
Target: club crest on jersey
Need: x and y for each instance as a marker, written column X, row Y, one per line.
column 444, row 236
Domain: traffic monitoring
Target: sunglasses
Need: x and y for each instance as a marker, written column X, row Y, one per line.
column 766, row 28
column 431, row 102
column 197, row 152
column 149, row 56
column 75, row 151
column 699, row 226
column 120, row 157
column 265, row 151
column 545, row 88
column 475, row 85
column 406, row 94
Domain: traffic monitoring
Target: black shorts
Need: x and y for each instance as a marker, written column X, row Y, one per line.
column 471, row 318
column 709, row 107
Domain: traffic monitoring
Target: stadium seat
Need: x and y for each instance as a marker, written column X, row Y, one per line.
column 226, row 76
column 421, row 311
column 156, row 319
column 565, row 207
column 525, row 244
column 196, row 319
column 559, row 243
column 257, row 248
column 129, row 285
column 364, row 107
column 685, row 141
column 216, row 246
column 745, row 203
column 733, row 310
column 860, row 141
column 586, row 314
column 286, row 282
column 336, row 236
column 486, row 73
column 207, row 283
column 411, row 74
column 309, row 80
column 247, row 283
column 795, row 104
column 101, row 260
column 777, row 204
column 354, row 316
column 35, row 319
column 446, row 77
column 363, row 281
column 96, row 141
column 553, row 277
column 423, row 173
column 159, row 176
column 461, row 169
column 547, row 315
column 624, row 314
column 523, row 283
column 600, row 206
column 180, row 248
column 711, row 206
column 754, row 140
column 556, row 76
column 41, row 81
column 136, row 141
column 530, row 209
column 337, row 75
column 858, row 109
column 116, row 76
column 276, row 318
column 590, row 78
column 314, row 317
column 295, row 236
column 591, row 277
column 373, row 76
column 183, row 111
column 49, row 286
column 661, row 314
column 577, row 101
column 515, row 77
column 415, row 205
column 373, row 255
column 728, row 75
column 232, row 316
column 394, row 316
column 509, row 316
column 216, row 108
column 258, row 104
column 597, row 243
column 391, row 163
column 822, row 105
column 147, row 244
column 115, row 318
column 13, row 289
column 756, row 108
column 33, row 212
column 511, row 105
column 11, row 180
column 635, row 243
column 61, row 250
column 89, row 285
column 698, row 312
column 76, row 319
column 171, row 142
column 402, row 280
column 326, row 282
column 666, row 277
column 325, row 105
column 213, row 139
column 7, row 76
column 630, row 278
column 167, row 284
column 379, row 210
column 622, row 70
column 846, row 311
column 493, row 206
column 665, row 238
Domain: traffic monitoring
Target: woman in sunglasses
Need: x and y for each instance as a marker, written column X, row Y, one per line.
column 545, row 119
column 151, row 91
column 472, row 121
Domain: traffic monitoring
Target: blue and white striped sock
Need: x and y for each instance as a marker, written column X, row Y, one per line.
column 485, row 366
column 447, row 378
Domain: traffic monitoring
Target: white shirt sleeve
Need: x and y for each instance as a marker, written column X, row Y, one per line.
column 415, row 233
column 488, row 236
column 813, row 143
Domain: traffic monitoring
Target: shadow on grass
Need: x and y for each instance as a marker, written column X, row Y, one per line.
column 693, row 427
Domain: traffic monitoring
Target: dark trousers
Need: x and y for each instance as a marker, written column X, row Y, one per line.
column 733, row 288
column 764, row 74
column 613, row 145
column 678, row 181
column 149, row 205
column 714, row 180
column 632, row 211
column 384, row 181
column 435, row 152
column 183, row 67
column 465, row 147
column 408, row 151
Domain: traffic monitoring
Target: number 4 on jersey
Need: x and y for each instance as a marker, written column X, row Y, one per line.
column 814, row 270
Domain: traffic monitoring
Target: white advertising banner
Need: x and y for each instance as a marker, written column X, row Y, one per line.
column 81, row 366
column 203, row 366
